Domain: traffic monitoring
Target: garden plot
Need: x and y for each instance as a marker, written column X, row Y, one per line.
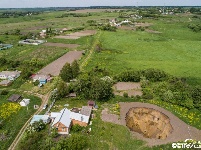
column 55, row 67
column 62, row 45
column 77, row 35
column 132, row 88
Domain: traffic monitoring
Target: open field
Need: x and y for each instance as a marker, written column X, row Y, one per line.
column 175, row 50
column 55, row 67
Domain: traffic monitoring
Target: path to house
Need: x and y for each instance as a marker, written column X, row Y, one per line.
column 23, row 129
column 181, row 130
column 84, row 63
column 55, row 67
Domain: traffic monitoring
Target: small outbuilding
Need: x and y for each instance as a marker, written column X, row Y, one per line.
column 91, row 103
column 44, row 118
column 25, row 102
column 14, row 98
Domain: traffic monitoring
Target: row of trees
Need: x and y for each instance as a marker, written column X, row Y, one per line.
column 153, row 75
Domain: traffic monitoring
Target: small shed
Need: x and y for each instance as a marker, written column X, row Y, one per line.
column 25, row 102
column 14, row 98
column 91, row 103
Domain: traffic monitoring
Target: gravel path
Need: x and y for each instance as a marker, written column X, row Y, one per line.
column 55, row 67
column 181, row 131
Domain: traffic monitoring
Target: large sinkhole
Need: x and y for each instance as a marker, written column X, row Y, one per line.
column 148, row 122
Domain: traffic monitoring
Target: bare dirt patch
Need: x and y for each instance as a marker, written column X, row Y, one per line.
column 181, row 130
column 132, row 88
column 127, row 28
column 152, row 31
column 140, row 24
column 62, row 45
column 55, row 67
column 77, row 35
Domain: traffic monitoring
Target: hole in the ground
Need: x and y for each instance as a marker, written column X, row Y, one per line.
column 149, row 122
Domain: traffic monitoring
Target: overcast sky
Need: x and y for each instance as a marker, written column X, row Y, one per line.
column 79, row 3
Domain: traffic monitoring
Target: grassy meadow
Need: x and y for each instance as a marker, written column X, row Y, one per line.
column 175, row 50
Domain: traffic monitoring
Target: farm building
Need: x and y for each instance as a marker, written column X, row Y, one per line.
column 44, row 118
column 64, row 119
column 5, row 83
column 31, row 42
column 91, row 103
column 10, row 75
column 14, row 98
column 25, row 102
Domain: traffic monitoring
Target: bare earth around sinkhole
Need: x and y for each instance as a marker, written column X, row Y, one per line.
column 180, row 130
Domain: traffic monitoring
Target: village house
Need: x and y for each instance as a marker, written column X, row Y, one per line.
column 10, row 75
column 43, row 79
column 64, row 119
column 25, row 102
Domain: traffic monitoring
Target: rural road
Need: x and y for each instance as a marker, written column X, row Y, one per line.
column 23, row 129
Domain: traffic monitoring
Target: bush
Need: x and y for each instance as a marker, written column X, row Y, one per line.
column 125, row 95
column 4, row 92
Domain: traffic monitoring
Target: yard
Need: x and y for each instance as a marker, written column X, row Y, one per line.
column 14, row 123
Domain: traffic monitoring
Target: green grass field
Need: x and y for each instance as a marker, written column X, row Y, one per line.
column 176, row 50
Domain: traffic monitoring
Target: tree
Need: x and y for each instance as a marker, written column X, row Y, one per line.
column 94, row 87
column 74, row 142
column 62, row 90
column 66, row 73
column 75, row 69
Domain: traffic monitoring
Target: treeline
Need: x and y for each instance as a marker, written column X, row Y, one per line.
column 74, row 15
column 153, row 75
column 17, row 14
column 160, row 85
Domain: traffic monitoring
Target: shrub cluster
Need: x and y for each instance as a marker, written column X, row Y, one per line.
column 153, row 75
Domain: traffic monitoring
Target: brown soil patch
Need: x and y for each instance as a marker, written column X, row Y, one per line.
column 126, row 28
column 130, row 93
column 62, row 45
column 132, row 88
column 55, row 67
column 181, row 130
column 143, row 24
column 152, row 31
column 77, row 35
column 148, row 122
column 120, row 86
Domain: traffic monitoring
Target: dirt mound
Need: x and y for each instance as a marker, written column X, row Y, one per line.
column 149, row 122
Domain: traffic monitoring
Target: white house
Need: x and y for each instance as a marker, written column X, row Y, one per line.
column 10, row 75
column 25, row 102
